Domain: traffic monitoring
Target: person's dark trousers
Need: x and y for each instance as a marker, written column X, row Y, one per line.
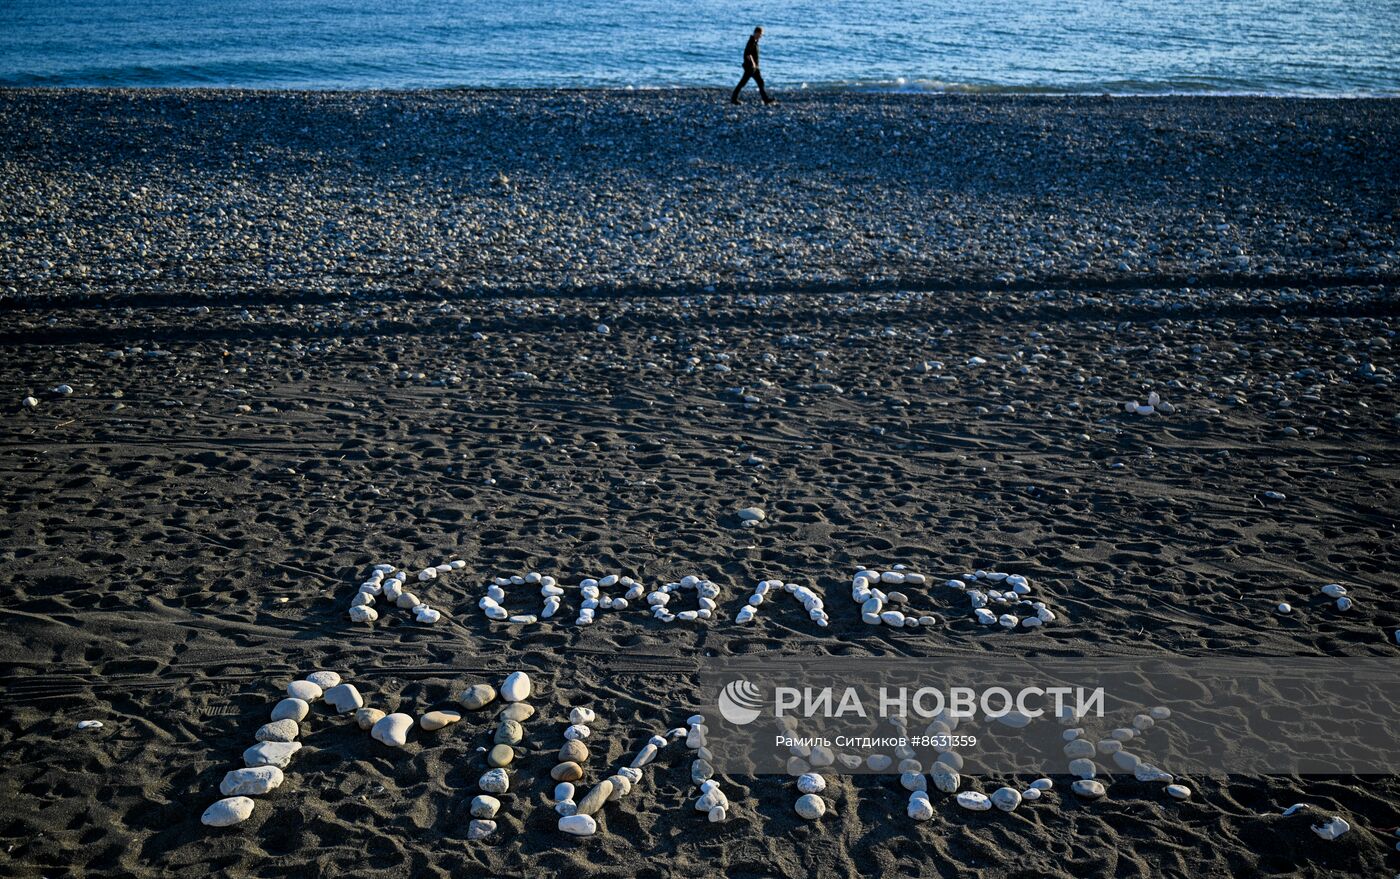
column 749, row 74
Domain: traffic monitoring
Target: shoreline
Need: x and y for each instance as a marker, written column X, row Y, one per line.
column 823, row 90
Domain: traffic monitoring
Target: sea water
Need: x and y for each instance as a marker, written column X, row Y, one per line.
column 1294, row 47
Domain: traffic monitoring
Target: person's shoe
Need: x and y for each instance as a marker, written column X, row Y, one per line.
column 770, row 101
column 734, row 101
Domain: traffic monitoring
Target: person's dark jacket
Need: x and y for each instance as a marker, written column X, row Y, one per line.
column 751, row 54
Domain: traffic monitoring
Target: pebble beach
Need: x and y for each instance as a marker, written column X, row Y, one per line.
column 382, row 466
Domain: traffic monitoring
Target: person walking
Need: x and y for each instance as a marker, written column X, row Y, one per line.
column 751, row 71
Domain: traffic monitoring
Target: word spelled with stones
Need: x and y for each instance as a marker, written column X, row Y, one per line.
column 883, row 605
column 509, row 734
column 394, row 591
column 811, row 601
column 706, row 602
column 702, row 771
column 582, row 821
column 275, row 744
column 552, row 594
column 1005, row 602
column 573, row 757
column 1085, row 752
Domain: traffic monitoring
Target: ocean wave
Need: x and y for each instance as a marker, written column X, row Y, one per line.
column 1115, row 88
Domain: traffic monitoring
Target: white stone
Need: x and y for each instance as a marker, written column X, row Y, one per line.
column 1088, row 787
column 517, row 687
column 290, row 709
column 811, row 783
column 392, row 729
column 810, row 806
column 1006, row 799
column 480, row 828
column 278, row 731
column 1148, row 772
column 494, row 781
column 621, row 787
column 363, row 614
column 344, row 698
column 751, row 514
column 1179, row 791
column 710, row 797
column 277, row 754
column 226, row 812
column 974, row 801
column 1334, row 590
column 578, row 825
column 485, row 806
column 945, row 778
column 89, row 724
column 1014, row 719
column 1042, row 784
column 920, row 808
column 251, row 781
column 324, row 679
column 1079, row 748
column 304, row 690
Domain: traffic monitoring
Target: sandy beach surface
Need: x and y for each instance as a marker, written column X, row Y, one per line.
column 273, row 339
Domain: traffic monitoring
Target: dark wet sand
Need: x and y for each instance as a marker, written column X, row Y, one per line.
column 250, row 429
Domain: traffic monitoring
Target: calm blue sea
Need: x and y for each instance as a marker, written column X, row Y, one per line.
column 1324, row 47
